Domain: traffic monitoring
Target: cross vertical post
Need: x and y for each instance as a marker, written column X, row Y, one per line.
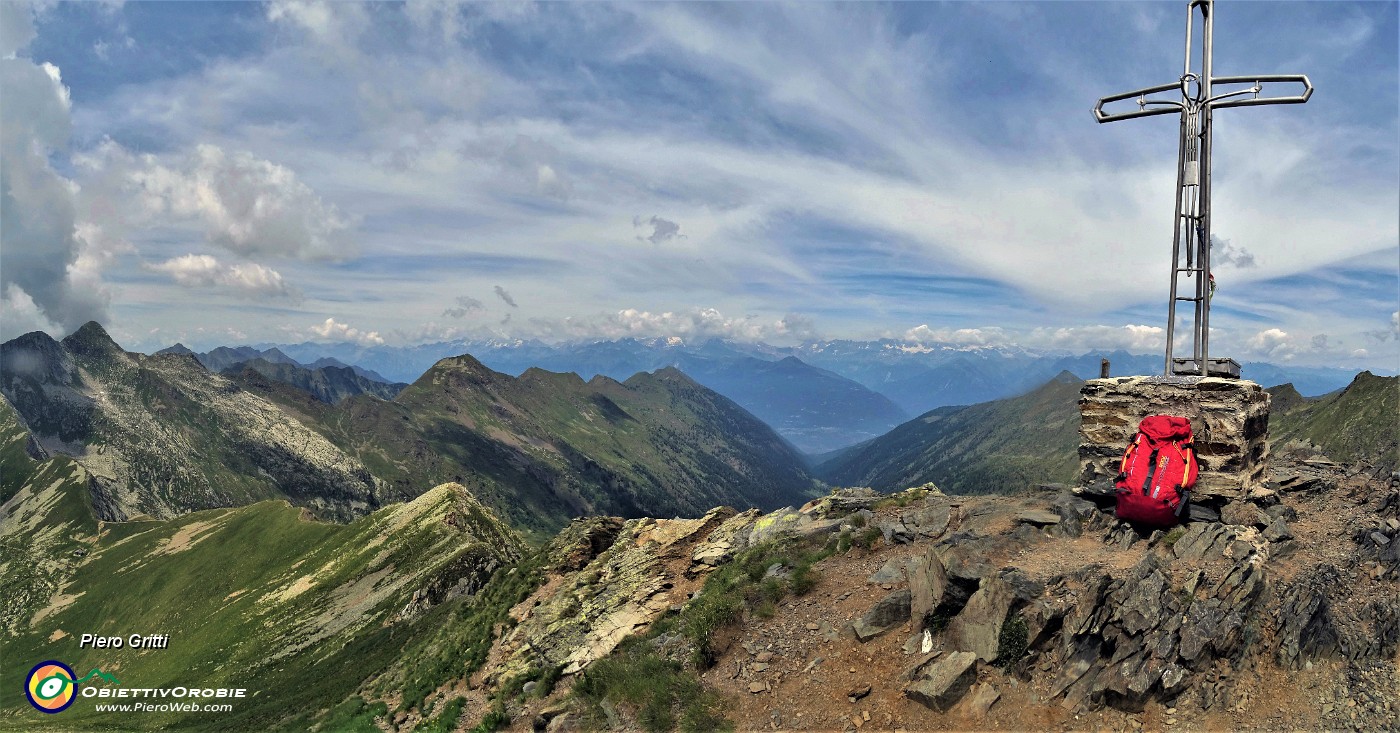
column 1191, row 225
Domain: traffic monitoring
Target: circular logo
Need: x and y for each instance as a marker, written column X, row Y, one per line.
column 50, row 686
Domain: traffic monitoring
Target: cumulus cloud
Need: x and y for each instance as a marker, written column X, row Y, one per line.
column 505, row 296
column 1226, row 253
column 1130, row 337
column 662, row 230
column 1382, row 335
column 696, row 323
column 246, row 278
column 40, row 250
column 924, row 335
column 333, row 330
column 16, row 28
column 20, row 315
column 245, row 205
column 1273, row 343
column 465, row 306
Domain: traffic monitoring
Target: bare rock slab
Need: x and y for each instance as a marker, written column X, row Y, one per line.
column 944, row 683
column 927, row 582
column 893, row 609
column 977, row 628
column 981, row 700
column 1038, row 517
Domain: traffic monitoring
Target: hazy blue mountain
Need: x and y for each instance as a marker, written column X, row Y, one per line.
column 914, row 377
column 370, row 374
column 816, row 410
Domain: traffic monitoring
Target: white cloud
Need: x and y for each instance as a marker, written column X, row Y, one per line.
column 245, row 205
column 40, row 253
column 19, row 315
column 245, row 278
column 689, row 325
column 1273, row 343
column 332, row 330
column 1136, row 338
column 1224, row 252
column 333, row 27
column 987, row 336
column 16, row 28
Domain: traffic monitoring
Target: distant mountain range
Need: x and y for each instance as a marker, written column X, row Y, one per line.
column 813, row 412
column 162, row 435
column 329, row 384
column 226, row 358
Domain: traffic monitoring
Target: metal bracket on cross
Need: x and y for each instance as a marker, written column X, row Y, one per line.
column 1198, row 94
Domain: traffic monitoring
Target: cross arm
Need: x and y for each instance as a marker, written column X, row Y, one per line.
column 1146, row 107
column 1232, row 99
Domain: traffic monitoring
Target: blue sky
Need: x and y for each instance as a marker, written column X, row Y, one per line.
column 384, row 173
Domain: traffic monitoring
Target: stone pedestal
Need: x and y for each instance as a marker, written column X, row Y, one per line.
column 1229, row 422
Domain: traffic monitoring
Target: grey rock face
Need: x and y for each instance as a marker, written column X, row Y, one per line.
column 945, row 682
column 891, row 610
column 926, row 520
column 927, row 583
column 1278, row 531
column 977, row 627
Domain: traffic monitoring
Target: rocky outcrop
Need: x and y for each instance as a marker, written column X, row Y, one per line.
column 927, row 583
column 977, row 627
column 1046, row 607
column 1229, row 421
column 893, row 609
column 944, row 683
column 926, row 518
column 162, row 436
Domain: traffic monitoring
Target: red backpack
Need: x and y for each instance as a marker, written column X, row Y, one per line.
column 1157, row 470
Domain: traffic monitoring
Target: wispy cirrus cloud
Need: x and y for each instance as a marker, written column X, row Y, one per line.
column 848, row 162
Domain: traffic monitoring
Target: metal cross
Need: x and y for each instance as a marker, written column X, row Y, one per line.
column 1191, row 232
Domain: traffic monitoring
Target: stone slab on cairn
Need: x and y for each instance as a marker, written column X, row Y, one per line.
column 1229, row 423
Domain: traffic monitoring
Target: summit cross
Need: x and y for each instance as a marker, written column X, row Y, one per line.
column 1191, row 230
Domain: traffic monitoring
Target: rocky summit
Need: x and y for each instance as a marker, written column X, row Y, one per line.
column 923, row 611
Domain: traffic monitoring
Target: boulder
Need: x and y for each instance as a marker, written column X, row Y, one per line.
column 727, row 540
column 893, row 609
column 1244, row 514
column 1038, row 517
column 927, row 582
column 981, row 700
column 944, row 683
column 892, row 571
column 1278, row 531
column 977, row 627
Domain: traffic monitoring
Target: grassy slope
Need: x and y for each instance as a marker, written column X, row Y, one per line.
column 545, row 447
column 301, row 613
column 46, row 523
column 991, row 447
column 1359, row 423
